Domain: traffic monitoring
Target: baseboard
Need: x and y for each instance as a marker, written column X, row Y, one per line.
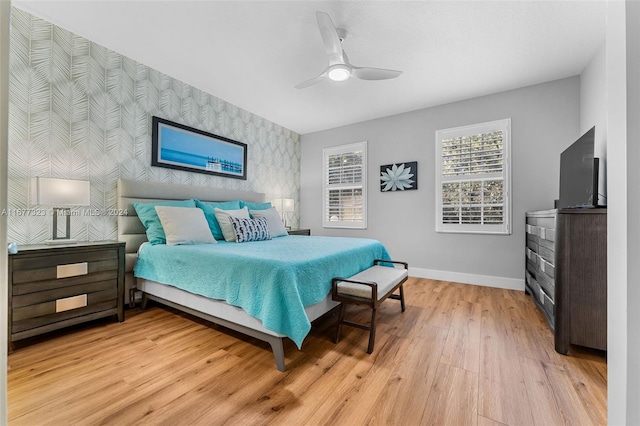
column 460, row 277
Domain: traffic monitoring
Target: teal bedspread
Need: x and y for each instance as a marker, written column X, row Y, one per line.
column 271, row 280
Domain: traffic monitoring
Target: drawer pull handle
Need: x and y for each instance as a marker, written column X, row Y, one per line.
column 73, row 302
column 72, row 270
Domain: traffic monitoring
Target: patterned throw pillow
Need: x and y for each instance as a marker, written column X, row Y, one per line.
column 250, row 229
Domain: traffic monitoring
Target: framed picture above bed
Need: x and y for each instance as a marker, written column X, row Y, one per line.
column 176, row 146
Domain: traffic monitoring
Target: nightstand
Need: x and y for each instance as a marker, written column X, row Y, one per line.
column 55, row 286
column 299, row 231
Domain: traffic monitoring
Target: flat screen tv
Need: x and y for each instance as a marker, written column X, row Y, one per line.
column 579, row 174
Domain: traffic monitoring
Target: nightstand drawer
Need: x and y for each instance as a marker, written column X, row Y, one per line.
column 61, row 293
column 33, row 316
column 33, row 269
column 299, row 231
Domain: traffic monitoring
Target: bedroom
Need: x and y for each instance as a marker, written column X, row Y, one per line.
column 572, row 92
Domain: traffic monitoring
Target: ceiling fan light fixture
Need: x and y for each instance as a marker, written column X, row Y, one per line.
column 339, row 72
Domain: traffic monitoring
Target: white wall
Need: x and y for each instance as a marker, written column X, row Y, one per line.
column 623, row 252
column 593, row 111
column 545, row 120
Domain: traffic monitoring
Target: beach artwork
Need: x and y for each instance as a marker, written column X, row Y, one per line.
column 180, row 147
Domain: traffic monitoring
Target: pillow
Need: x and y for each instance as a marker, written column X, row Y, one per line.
column 250, row 229
column 274, row 223
column 224, row 220
column 210, row 214
column 184, row 225
column 149, row 218
column 255, row 206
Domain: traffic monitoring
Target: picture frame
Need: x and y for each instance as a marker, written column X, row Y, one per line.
column 399, row 177
column 180, row 147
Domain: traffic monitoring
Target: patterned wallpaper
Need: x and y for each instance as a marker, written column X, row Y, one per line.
column 78, row 110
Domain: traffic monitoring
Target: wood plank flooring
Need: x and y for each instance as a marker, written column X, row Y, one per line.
column 459, row 355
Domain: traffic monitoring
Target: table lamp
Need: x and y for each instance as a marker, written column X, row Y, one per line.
column 61, row 194
column 284, row 205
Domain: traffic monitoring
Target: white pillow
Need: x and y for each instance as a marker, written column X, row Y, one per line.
column 184, row 225
column 224, row 220
column 274, row 223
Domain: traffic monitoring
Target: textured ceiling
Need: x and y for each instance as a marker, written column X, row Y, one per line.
column 253, row 53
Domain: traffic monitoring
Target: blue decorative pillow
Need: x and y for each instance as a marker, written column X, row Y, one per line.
column 209, row 213
column 255, row 206
column 250, row 229
column 149, row 218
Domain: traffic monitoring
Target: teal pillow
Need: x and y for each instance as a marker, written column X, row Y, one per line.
column 255, row 206
column 209, row 213
column 149, row 218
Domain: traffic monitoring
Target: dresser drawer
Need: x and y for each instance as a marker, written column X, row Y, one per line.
column 542, row 299
column 546, row 221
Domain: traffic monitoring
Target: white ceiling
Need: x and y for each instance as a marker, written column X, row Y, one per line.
column 252, row 53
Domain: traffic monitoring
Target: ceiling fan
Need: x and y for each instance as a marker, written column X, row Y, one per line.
column 339, row 68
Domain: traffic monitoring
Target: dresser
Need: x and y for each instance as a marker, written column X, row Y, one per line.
column 566, row 273
column 55, row 286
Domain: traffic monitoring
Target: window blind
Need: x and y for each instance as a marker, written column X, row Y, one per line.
column 473, row 179
column 344, row 186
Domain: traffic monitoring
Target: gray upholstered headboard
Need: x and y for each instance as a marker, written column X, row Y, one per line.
column 131, row 230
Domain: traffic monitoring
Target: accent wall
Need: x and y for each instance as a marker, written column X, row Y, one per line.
column 81, row 111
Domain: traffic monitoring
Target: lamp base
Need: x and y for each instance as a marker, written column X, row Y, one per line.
column 61, row 241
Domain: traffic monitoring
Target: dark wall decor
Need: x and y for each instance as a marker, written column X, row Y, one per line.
column 399, row 177
column 176, row 146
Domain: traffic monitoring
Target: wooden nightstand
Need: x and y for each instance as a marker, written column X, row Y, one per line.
column 55, row 286
column 299, row 231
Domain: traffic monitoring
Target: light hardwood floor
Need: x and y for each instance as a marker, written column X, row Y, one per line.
column 459, row 355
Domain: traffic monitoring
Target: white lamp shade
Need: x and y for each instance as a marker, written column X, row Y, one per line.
column 284, row 204
column 287, row 205
column 60, row 192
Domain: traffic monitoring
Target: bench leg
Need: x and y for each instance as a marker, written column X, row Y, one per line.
column 340, row 320
column 372, row 331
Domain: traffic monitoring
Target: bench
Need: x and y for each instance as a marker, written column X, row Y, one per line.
column 370, row 287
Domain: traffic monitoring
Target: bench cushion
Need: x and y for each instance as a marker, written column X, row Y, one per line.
column 384, row 276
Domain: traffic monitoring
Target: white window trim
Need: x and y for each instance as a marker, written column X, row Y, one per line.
column 503, row 229
column 325, row 186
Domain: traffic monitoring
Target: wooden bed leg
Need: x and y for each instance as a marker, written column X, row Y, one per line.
column 278, row 352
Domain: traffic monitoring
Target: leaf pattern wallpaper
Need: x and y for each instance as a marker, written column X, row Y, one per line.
column 80, row 111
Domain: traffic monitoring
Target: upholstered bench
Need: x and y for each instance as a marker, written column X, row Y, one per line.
column 370, row 287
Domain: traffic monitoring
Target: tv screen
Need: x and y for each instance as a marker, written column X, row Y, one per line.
column 579, row 173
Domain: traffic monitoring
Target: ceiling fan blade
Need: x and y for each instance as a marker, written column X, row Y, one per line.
column 365, row 73
column 329, row 36
column 311, row 81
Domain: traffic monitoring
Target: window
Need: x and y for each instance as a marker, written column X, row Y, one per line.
column 473, row 178
column 344, row 186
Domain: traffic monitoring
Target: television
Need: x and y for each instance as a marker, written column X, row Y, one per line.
column 579, row 174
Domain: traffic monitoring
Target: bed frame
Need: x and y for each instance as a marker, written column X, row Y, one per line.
column 131, row 231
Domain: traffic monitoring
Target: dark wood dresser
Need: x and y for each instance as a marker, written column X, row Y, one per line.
column 566, row 273
column 581, row 292
column 55, row 286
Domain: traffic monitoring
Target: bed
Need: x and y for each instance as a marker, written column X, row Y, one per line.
column 270, row 290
